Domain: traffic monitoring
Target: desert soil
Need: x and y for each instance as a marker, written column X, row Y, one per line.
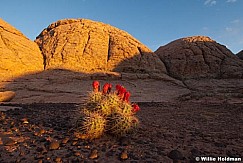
column 43, row 133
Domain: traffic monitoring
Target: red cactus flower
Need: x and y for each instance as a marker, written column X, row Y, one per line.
column 96, row 86
column 135, row 108
column 122, row 92
column 127, row 96
column 107, row 88
column 118, row 87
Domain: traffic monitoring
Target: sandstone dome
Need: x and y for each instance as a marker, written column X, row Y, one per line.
column 240, row 54
column 83, row 45
column 199, row 57
column 18, row 54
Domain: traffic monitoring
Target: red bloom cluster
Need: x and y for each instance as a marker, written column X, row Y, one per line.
column 96, row 86
column 123, row 93
column 120, row 90
column 135, row 108
column 107, row 88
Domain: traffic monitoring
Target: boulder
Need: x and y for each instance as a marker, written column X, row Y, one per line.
column 199, row 57
column 87, row 46
column 240, row 54
column 6, row 96
column 18, row 54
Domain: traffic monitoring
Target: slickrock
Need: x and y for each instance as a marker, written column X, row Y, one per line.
column 83, row 45
column 199, row 57
column 18, row 54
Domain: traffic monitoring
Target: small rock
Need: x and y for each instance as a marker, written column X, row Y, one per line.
column 39, row 156
column 94, row 154
column 80, row 136
column 39, row 149
column 87, row 147
column 42, row 131
column 24, row 121
column 74, row 143
column 40, row 161
column 7, row 96
column 58, row 159
column 175, row 155
column 125, row 141
column 15, row 129
column 124, row 155
column 9, row 142
column 77, row 154
column 65, row 140
column 54, row 145
column 22, row 153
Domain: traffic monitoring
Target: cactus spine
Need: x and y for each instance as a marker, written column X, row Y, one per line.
column 107, row 111
column 120, row 124
column 91, row 124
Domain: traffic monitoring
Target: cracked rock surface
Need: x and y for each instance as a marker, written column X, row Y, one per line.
column 18, row 54
column 85, row 45
column 199, row 57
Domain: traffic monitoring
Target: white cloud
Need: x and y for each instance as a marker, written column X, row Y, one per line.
column 236, row 21
column 210, row 2
column 229, row 29
column 231, row 1
column 205, row 28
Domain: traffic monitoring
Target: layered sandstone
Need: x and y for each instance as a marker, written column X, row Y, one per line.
column 199, row 57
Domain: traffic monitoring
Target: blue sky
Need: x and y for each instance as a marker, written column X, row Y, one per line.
column 153, row 22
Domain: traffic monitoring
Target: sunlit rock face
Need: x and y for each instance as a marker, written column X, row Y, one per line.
column 199, row 57
column 18, row 54
column 85, row 45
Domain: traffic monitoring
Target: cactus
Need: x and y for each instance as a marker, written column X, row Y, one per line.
column 104, row 108
column 108, row 104
column 95, row 97
column 119, row 124
column 107, row 111
column 125, row 108
column 113, row 100
column 91, row 124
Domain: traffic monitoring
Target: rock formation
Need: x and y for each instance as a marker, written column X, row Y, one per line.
column 18, row 54
column 7, row 96
column 199, row 57
column 240, row 54
column 84, row 45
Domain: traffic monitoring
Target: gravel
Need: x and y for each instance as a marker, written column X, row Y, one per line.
column 44, row 133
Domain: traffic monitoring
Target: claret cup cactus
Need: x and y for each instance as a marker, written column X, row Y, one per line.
column 107, row 111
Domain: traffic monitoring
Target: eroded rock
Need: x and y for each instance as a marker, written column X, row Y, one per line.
column 18, row 54
column 85, row 45
column 199, row 57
